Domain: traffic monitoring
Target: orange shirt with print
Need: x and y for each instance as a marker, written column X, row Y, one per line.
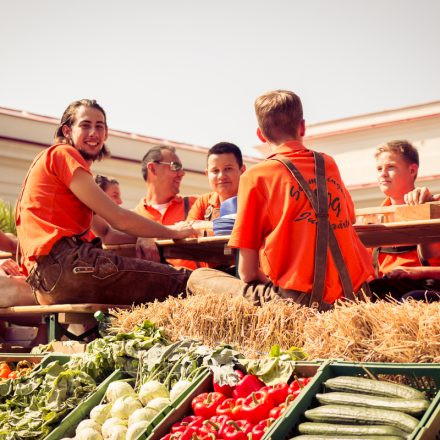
column 276, row 218
column 387, row 261
column 206, row 207
column 174, row 213
column 47, row 209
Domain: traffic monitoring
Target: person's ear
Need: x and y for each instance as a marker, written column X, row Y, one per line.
column 66, row 131
column 242, row 169
column 260, row 135
column 206, row 172
column 413, row 169
column 302, row 128
column 151, row 168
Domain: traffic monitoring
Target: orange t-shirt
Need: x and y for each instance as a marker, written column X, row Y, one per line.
column 276, row 218
column 174, row 213
column 389, row 261
column 206, row 207
column 47, row 210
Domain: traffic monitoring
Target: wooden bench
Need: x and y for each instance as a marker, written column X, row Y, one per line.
column 55, row 316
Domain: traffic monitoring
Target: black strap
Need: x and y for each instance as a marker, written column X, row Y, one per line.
column 325, row 236
column 395, row 250
column 185, row 207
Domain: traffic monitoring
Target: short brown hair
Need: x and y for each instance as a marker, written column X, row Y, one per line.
column 408, row 151
column 154, row 154
column 279, row 113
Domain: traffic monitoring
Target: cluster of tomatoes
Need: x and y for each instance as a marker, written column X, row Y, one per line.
column 243, row 412
column 23, row 367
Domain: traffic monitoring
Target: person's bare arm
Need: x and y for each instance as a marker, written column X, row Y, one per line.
column 415, row 273
column 85, row 188
column 8, row 243
column 248, row 266
column 109, row 235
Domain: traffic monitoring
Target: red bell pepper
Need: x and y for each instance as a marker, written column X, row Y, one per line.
column 298, row 384
column 205, row 404
column 230, row 408
column 196, row 421
column 260, row 428
column 214, row 425
column 226, row 389
column 247, row 385
column 278, row 392
column 237, row 430
column 256, row 407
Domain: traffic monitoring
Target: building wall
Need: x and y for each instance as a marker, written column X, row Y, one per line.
column 22, row 136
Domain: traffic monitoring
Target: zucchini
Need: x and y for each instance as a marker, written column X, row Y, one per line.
column 376, row 387
column 333, row 429
column 345, row 437
column 363, row 416
column 408, row 406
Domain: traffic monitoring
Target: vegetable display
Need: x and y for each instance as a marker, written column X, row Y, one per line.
column 9, row 371
column 363, row 408
column 244, row 416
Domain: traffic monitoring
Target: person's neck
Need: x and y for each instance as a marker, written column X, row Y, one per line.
column 156, row 197
column 399, row 199
column 273, row 146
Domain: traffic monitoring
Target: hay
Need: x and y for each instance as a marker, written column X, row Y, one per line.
column 362, row 331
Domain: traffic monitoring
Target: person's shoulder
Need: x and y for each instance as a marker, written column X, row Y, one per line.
column 65, row 151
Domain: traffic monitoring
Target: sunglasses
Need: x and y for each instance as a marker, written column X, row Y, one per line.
column 174, row 166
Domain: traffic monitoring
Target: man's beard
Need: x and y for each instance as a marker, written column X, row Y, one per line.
column 103, row 153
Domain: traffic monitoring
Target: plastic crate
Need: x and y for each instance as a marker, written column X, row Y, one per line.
column 70, row 422
column 424, row 377
column 203, row 385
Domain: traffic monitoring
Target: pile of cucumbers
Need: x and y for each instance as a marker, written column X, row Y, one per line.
column 360, row 408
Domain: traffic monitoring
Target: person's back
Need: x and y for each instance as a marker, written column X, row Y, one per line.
column 276, row 225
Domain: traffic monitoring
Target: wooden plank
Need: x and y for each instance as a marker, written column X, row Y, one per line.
column 76, row 318
column 399, row 233
column 395, row 213
column 57, row 308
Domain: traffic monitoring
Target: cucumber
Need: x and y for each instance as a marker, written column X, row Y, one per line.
column 333, row 429
column 345, row 437
column 362, row 416
column 408, row 406
column 376, row 387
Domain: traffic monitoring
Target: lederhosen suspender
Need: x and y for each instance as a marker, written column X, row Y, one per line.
column 325, row 235
column 395, row 250
column 185, row 207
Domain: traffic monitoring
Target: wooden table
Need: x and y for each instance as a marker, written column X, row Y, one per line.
column 214, row 249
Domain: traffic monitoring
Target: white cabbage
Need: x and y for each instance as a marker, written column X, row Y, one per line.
column 142, row 414
column 101, row 413
column 118, row 389
column 152, row 389
column 158, row 404
column 124, row 406
column 88, row 423
column 178, row 388
column 88, row 434
column 111, row 424
column 135, row 430
column 118, row 433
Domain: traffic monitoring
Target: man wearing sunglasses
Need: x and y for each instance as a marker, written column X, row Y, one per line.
column 162, row 171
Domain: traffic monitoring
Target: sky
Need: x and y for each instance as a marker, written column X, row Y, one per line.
column 190, row 70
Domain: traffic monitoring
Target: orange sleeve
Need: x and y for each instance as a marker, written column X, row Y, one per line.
column 65, row 160
column 197, row 211
column 252, row 220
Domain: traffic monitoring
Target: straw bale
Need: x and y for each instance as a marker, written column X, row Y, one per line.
column 357, row 331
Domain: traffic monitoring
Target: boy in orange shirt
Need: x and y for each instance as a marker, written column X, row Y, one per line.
column 223, row 169
column 294, row 244
column 401, row 269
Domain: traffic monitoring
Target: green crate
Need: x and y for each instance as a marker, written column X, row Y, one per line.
column 431, row 430
column 203, row 385
column 424, row 377
column 70, row 422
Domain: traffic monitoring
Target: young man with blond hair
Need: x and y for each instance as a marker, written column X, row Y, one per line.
column 294, row 221
column 401, row 269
